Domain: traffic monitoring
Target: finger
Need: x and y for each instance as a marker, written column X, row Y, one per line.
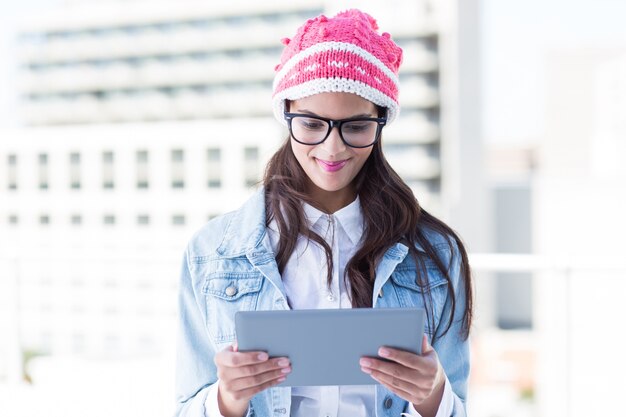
column 235, row 347
column 233, row 359
column 219, row 356
column 408, row 359
column 399, row 391
column 251, row 392
column 393, row 381
column 426, row 347
column 232, row 373
column 392, row 369
column 248, row 382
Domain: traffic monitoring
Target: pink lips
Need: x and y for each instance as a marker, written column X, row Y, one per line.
column 331, row 166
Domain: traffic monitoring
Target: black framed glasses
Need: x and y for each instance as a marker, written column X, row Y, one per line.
column 356, row 132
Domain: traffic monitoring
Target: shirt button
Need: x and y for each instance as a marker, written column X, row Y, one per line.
column 330, row 297
column 230, row 291
column 388, row 402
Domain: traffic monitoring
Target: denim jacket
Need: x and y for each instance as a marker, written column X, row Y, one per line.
column 232, row 251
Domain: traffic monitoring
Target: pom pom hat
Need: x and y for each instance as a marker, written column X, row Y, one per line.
column 339, row 54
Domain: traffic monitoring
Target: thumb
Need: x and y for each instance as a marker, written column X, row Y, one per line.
column 426, row 347
column 235, row 347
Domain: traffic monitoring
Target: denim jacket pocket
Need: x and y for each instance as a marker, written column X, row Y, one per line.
column 410, row 294
column 225, row 294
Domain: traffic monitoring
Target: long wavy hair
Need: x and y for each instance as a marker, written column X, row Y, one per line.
column 391, row 214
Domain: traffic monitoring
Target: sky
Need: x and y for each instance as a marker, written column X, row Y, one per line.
column 516, row 37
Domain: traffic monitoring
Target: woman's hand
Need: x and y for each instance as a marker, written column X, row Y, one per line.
column 419, row 379
column 244, row 374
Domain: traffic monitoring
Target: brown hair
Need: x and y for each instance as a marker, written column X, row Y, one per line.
column 391, row 214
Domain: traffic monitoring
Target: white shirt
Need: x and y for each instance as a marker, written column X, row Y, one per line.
column 306, row 287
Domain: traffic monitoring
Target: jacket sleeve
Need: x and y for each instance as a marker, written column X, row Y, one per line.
column 451, row 347
column 195, row 369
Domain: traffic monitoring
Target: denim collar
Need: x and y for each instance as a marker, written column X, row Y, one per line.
column 246, row 227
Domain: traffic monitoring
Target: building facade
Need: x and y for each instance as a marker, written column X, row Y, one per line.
column 140, row 126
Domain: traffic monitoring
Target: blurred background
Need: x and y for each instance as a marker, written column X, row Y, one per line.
column 126, row 125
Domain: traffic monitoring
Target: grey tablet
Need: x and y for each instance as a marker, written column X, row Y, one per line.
column 325, row 345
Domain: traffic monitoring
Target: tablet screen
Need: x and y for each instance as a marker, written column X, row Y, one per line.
column 325, row 345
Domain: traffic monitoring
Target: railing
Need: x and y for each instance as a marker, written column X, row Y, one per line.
column 562, row 298
column 567, row 292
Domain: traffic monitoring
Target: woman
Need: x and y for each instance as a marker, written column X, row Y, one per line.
column 333, row 227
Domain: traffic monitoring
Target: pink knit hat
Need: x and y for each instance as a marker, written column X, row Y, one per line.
column 342, row 54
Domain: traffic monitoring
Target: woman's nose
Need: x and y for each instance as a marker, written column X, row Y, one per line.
column 333, row 143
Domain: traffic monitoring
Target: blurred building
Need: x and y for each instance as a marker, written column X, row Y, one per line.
column 511, row 172
column 137, row 118
column 98, row 243
column 92, row 64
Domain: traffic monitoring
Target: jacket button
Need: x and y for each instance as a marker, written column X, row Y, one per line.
column 388, row 402
column 230, row 291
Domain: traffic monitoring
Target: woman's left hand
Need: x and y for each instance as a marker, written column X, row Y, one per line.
column 415, row 378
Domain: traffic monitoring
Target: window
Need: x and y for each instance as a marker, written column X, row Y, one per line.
column 44, row 173
column 45, row 281
column 513, row 290
column 142, row 156
column 178, row 173
column 77, row 282
column 251, row 165
column 142, row 169
column 78, row 308
column 214, row 168
column 108, row 220
column 76, row 220
column 44, row 220
column 109, row 282
column 108, row 181
column 13, row 219
column 111, row 341
column 178, row 220
column 145, row 284
column 12, row 172
column 143, row 220
column 146, row 342
column 75, row 171
column 47, row 340
column 78, row 341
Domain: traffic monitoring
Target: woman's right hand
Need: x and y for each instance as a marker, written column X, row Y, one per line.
column 244, row 374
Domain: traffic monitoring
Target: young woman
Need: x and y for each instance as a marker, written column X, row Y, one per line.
column 333, row 226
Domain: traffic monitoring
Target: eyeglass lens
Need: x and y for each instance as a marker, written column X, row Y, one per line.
column 354, row 132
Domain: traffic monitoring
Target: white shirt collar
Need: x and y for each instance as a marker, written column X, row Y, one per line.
column 350, row 218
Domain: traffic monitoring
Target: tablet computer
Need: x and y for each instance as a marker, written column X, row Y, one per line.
column 325, row 345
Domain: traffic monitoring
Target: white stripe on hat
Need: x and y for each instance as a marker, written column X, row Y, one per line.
column 325, row 85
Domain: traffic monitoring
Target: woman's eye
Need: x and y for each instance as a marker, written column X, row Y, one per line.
column 356, row 127
column 312, row 124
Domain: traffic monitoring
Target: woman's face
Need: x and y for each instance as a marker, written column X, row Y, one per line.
column 332, row 165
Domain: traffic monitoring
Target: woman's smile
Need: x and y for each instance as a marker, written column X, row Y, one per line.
column 331, row 166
